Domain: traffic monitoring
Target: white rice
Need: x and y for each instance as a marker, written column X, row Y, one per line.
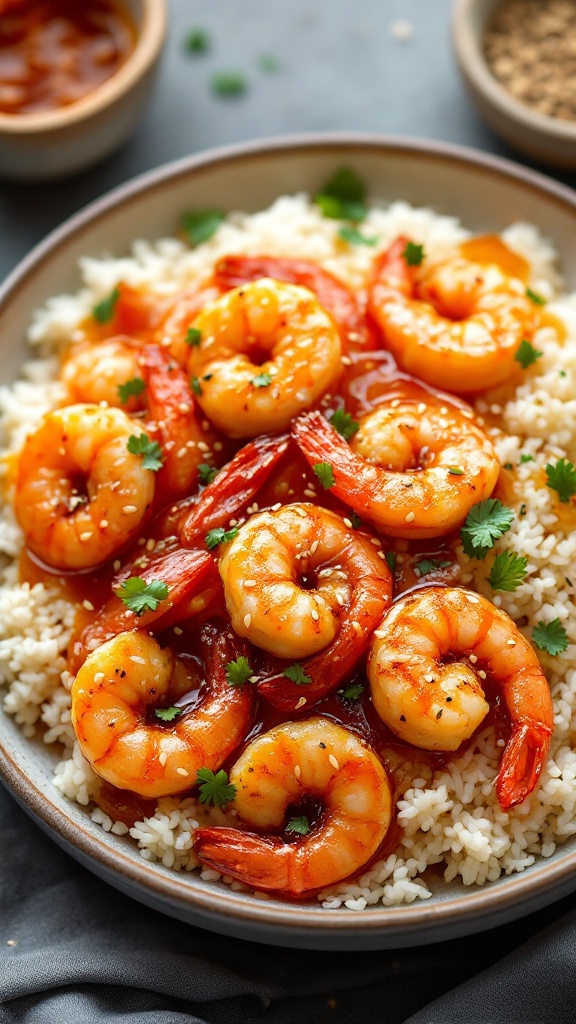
column 452, row 818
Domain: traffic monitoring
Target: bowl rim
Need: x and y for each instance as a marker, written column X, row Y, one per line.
column 149, row 42
column 467, row 44
column 427, row 917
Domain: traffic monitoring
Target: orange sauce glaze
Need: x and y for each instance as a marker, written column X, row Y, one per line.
column 365, row 381
column 55, row 52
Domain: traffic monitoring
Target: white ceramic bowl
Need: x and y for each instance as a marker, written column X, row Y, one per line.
column 545, row 139
column 487, row 194
column 54, row 143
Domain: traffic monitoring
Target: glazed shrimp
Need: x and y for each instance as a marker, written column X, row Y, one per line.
column 346, row 309
column 115, row 693
column 414, row 468
column 81, row 496
column 266, row 352
column 455, row 324
column 93, row 373
column 313, row 759
column 437, row 704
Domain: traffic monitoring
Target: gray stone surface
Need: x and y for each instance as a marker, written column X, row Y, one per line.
column 340, row 68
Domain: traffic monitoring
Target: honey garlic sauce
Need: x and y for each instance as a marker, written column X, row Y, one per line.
column 55, row 52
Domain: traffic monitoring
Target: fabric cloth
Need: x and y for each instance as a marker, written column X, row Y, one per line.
column 73, row 950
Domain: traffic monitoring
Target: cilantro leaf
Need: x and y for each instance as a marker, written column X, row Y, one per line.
column 150, row 450
column 414, row 254
column 391, row 560
column 353, row 692
column 196, row 385
column 140, row 596
column 508, row 571
column 133, row 387
column 325, row 474
column 262, row 380
column 200, row 225
column 550, row 637
column 104, row 311
column 198, row 41
column 562, row 479
column 193, row 337
column 485, row 523
column 206, row 473
column 168, row 714
column 238, row 672
column 342, row 197
column 214, row 788
column 342, row 422
column 297, row 674
column 535, row 298
column 352, row 236
column 355, row 520
column 527, row 458
column 300, row 826
column 526, row 354
column 228, row 83
column 456, row 471
column 219, row 536
column 428, row 565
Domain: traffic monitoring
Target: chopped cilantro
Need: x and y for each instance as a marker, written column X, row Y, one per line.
column 428, row 565
column 168, row 714
column 508, row 465
column 414, row 254
column 562, row 479
column 508, row 571
column 325, row 474
column 522, row 510
column 526, row 354
column 133, row 387
column 269, row 64
column 206, row 473
column 485, row 523
column 196, row 386
column 301, row 826
column 352, row 236
column 343, row 422
column 193, row 337
column 198, row 41
column 140, row 596
column 238, row 672
column 214, row 788
column 550, row 637
column 456, row 471
column 150, row 450
column 228, row 83
column 297, row 674
column 200, row 225
column 219, row 536
column 526, row 458
column 104, row 311
column 353, row 692
column 342, row 197
column 262, row 380
column 391, row 560
column 355, row 520
column 535, row 298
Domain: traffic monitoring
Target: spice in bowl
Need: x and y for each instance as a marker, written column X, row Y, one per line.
column 530, row 47
column 55, row 52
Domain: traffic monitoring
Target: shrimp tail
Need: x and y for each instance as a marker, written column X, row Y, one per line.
column 391, row 273
column 524, row 758
column 233, row 489
column 336, row 664
column 319, row 442
column 262, row 862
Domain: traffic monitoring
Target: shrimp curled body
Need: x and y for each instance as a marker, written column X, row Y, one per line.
column 126, row 678
column 94, row 373
column 455, row 323
column 437, row 704
column 414, row 469
column 315, row 758
column 81, row 496
column 267, row 351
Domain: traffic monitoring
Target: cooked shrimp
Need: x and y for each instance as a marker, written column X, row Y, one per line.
column 266, row 352
column 94, row 373
column 437, row 703
column 183, row 310
column 347, row 310
column 81, row 496
column 454, row 323
column 316, row 759
column 414, row 468
column 289, row 576
column 115, row 693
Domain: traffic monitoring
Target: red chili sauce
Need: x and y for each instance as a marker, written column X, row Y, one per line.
column 55, row 52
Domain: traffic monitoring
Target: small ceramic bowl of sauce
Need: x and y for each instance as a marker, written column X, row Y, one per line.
column 75, row 76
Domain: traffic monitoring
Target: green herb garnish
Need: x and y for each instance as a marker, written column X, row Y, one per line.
column 343, row 422
column 352, row 236
column 131, row 388
column 562, row 479
column 168, row 714
column 325, row 474
column 228, row 83
column 535, row 298
column 429, row 565
column 200, row 225
column 301, row 826
column 262, row 380
column 238, row 672
column 140, row 596
column 456, row 471
column 353, row 692
column 197, row 41
column 508, row 571
column 195, row 386
column 527, row 458
column 214, row 788
column 219, row 536
column 413, row 254
column 342, row 197
column 391, row 560
column 193, row 337
column 150, row 451
column 104, row 311
column 297, row 674
column 485, row 523
column 526, row 354
column 206, row 473
column 355, row 520
column 550, row 637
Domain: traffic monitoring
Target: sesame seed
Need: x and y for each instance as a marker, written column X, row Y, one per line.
column 129, row 509
column 314, row 547
column 103, row 524
column 86, row 536
column 99, row 677
column 247, row 620
column 62, row 450
column 88, row 605
column 178, row 631
column 481, row 673
column 395, row 403
column 253, row 679
column 218, row 446
column 340, row 599
column 137, row 660
column 443, row 410
column 150, row 544
column 181, row 771
column 249, row 583
column 117, row 565
column 356, row 627
column 309, row 493
column 511, row 643
column 300, row 703
column 163, row 758
column 421, row 408
column 333, row 761
column 346, row 361
column 203, row 447
column 473, row 599
column 348, row 523
column 429, row 678
column 181, row 452
column 382, row 555
column 472, row 658
column 377, row 543
column 410, row 517
column 184, row 407
column 314, row 615
column 380, row 633
column 297, row 771
column 276, row 506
